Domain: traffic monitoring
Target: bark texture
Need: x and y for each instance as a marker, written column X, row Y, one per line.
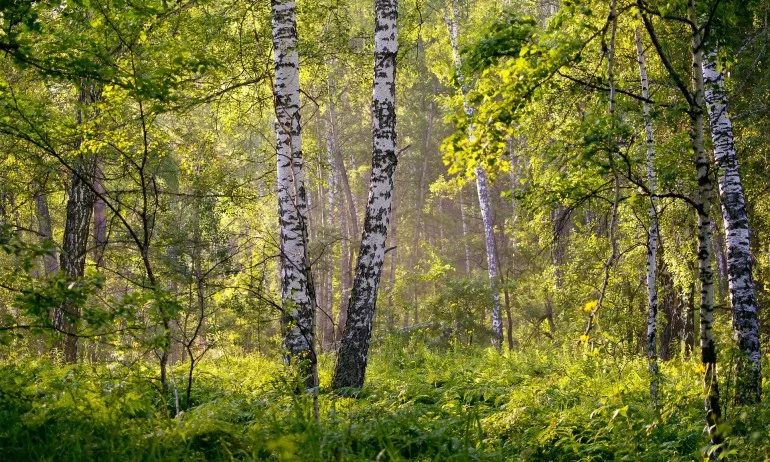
column 652, row 237
column 297, row 297
column 77, row 226
column 736, row 224
column 705, row 257
column 487, row 218
column 354, row 351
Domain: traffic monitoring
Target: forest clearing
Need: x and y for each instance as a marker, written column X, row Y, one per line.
column 301, row 230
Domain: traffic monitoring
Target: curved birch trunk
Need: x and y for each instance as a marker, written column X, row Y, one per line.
column 652, row 238
column 353, row 355
column 297, row 297
column 483, row 193
column 736, row 225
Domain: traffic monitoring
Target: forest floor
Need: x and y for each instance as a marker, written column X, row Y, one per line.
column 420, row 403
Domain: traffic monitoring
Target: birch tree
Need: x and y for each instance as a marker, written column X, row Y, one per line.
column 694, row 95
column 482, row 189
column 652, row 238
column 297, row 297
column 736, row 225
column 354, row 351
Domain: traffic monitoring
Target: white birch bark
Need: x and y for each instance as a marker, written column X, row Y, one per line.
column 652, row 238
column 705, row 257
column 736, row 225
column 482, row 189
column 354, row 351
column 297, row 295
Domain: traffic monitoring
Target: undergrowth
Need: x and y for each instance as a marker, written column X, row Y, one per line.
column 460, row 404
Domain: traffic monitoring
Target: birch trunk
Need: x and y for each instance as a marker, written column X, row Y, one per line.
column 489, row 241
column 652, row 238
column 297, row 295
column 736, row 225
column 705, row 258
column 327, row 324
column 483, row 193
column 353, row 355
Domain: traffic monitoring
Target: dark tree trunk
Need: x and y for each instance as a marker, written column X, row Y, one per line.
column 76, row 227
column 45, row 229
column 100, row 219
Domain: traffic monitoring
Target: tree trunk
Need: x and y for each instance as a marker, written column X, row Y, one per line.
column 688, row 325
column 705, row 259
column 100, row 218
column 481, row 186
column 346, row 263
column 736, row 224
column 652, row 237
column 348, row 217
column 297, row 295
column 467, row 249
column 671, row 308
column 339, row 162
column 325, row 318
column 489, row 241
column 76, row 229
column 50, row 265
column 354, row 352
column 720, row 258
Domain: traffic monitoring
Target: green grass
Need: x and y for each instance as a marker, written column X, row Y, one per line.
column 471, row 404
